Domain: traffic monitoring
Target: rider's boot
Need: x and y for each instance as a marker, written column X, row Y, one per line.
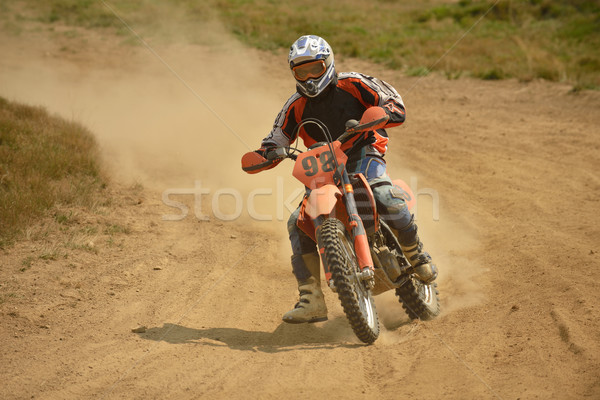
column 421, row 261
column 311, row 306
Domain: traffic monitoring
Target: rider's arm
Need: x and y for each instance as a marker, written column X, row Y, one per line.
column 280, row 136
column 396, row 113
column 391, row 102
column 375, row 92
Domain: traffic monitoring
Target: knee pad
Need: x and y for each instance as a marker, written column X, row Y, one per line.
column 407, row 235
column 291, row 223
column 301, row 242
column 392, row 207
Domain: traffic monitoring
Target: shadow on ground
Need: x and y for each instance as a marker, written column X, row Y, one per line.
column 286, row 337
column 332, row 334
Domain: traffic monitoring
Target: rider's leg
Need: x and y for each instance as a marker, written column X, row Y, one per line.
column 393, row 209
column 412, row 248
column 306, row 268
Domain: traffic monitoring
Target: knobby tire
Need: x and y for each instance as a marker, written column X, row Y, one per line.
column 342, row 264
column 419, row 300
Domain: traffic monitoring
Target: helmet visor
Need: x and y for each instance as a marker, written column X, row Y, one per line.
column 311, row 69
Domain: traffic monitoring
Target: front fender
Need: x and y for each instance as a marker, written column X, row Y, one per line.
column 322, row 200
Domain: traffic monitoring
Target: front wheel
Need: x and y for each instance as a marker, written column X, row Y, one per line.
column 353, row 293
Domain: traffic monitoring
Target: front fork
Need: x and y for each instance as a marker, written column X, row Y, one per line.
column 361, row 242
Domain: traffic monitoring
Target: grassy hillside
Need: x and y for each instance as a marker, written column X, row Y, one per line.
column 45, row 161
column 557, row 40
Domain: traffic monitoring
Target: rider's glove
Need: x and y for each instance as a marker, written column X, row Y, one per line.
column 263, row 151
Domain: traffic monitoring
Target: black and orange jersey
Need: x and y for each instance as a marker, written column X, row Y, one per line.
column 348, row 99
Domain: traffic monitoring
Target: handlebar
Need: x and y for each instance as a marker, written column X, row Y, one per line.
column 280, row 153
column 353, row 127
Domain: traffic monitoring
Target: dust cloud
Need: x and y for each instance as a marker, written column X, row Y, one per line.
column 454, row 247
column 177, row 119
column 171, row 121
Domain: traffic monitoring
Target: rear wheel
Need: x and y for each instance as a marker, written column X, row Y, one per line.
column 419, row 300
column 353, row 293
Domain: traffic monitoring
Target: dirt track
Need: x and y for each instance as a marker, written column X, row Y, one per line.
column 516, row 167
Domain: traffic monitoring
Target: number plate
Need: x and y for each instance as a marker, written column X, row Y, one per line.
column 315, row 168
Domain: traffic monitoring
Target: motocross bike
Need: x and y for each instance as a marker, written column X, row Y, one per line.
column 361, row 256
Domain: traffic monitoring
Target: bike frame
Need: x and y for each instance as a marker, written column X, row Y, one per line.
column 330, row 195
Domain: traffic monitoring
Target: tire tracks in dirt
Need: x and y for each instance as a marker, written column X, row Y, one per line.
column 514, row 164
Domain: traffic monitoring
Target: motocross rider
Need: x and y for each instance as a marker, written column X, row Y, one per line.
column 335, row 98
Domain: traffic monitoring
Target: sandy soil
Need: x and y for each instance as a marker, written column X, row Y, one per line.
column 509, row 181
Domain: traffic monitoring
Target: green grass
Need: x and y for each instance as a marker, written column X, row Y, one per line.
column 163, row 20
column 115, row 228
column 557, row 40
column 44, row 161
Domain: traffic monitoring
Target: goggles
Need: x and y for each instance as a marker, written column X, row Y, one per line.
column 311, row 69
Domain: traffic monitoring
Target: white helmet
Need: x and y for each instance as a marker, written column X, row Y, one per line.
column 311, row 61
